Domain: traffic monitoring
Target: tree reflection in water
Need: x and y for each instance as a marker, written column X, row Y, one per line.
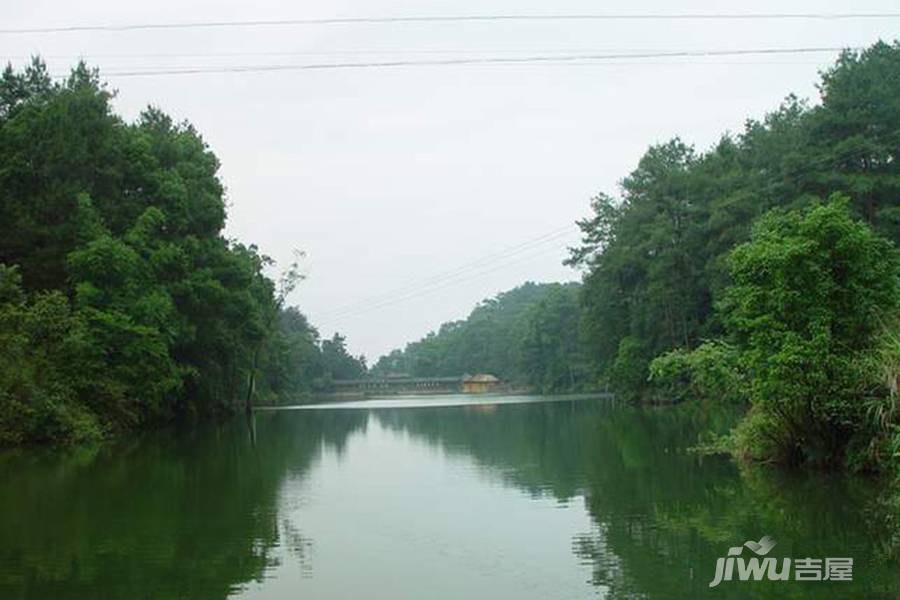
column 191, row 512
column 206, row 512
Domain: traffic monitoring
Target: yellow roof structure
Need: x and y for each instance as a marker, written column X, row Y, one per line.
column 481, row 378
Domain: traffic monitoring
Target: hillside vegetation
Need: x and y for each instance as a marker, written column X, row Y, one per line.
column 122, row 305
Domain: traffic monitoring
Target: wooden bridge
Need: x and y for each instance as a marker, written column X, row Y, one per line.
column 418, row 385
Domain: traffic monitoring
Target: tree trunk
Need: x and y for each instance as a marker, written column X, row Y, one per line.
column 251, row 383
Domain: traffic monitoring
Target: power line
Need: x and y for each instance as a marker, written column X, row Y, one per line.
column 607, row 64
column 442, row 283
column 334, row 52
column 456, row 19
column 460, row 270
column 449, row 282
column 489, row 60
column 380, row 305
column 453, row 273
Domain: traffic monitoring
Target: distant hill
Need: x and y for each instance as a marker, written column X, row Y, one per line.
column 525, row 335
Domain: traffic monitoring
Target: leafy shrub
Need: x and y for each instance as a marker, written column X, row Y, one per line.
column 628, row 373
column 711, row 371
column 810, row 290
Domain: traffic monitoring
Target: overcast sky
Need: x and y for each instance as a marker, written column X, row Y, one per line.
column 465, row 178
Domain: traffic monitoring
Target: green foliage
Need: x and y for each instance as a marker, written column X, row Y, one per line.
column 121, row 303
column 39, row 352
column 655, row 258
column 811, row 327
column 809, row 290
column 291, row 365
column 671, row 374
column 882, row 410
column 855, row 133
column 337, row 363
column 628, row 371
column 296, row 363
column 550, row 350
column 710, row 371
column 804, row 314
column 527, row 335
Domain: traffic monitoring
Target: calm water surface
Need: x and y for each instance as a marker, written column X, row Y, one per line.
column 505, row 497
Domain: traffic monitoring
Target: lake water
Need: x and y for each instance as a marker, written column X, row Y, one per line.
column 444, row 497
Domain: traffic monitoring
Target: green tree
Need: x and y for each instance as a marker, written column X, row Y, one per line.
column 655, row 259
column 855, row 134
column 551, row 352
column 525, row 335
column 810, row 290
column 112, row 232
column 292, row 363
column 338, row 363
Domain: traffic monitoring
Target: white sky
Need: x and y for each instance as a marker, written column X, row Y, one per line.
column 388, row 177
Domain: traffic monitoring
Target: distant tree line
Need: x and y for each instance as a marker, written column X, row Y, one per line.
column 528, row 335
column 298, row 362
column 121, row 303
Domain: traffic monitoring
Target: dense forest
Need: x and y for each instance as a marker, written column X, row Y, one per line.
column 761, row 272
column 121, row 302
column 764, row 271
column 528, row 335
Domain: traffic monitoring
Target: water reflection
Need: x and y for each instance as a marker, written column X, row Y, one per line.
column 508, row 499
column 188, row 513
